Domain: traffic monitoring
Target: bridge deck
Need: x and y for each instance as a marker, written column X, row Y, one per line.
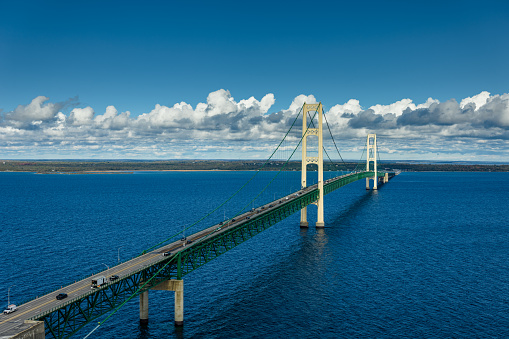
column 206, row 245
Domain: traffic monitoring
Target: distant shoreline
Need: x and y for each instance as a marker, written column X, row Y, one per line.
column 105, row 167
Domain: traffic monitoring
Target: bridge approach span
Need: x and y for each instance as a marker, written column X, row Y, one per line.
column 62, row 318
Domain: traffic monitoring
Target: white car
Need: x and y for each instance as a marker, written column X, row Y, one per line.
column 10, row 309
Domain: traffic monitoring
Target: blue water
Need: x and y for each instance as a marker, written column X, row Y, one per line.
column 426, row 256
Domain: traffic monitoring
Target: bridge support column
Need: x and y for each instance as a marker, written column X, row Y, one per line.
column 303, row 218
column 179, row 302
column 306, row 131
column 304, row 211
column 319, row 214
column 371, row 156
column 144, row 308
column 178, row 287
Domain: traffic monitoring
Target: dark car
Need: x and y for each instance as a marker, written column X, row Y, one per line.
column 165, row 254
column 189, row 242
column 61, row 296
column 221, row 223
column 113, row 277
column 183, row 239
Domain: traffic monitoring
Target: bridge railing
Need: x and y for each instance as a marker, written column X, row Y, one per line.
column 186, row 260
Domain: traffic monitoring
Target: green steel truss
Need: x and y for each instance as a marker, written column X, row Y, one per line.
column 334, row 184
column 68, row 318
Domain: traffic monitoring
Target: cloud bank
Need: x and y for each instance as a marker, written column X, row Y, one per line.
column 476, row 128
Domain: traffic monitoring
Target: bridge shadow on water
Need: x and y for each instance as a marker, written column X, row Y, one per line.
column 289, row 286
column 281, row 296
column 353, row 209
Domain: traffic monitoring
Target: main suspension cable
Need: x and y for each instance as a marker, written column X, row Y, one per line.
column 323, row 147
column 274, row 178
column 334, row 141
column 233, row 195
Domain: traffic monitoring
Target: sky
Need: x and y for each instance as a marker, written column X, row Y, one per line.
column 223, row 80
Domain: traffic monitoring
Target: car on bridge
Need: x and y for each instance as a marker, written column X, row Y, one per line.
column 9, row 309
column 61, row 296
column 114, row 277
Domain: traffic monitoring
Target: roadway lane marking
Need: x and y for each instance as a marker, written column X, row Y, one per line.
column 118, row 271
column 3, row 322
column 137, row 263
column 40, row 306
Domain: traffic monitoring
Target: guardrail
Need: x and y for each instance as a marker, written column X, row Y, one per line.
column 181, row 262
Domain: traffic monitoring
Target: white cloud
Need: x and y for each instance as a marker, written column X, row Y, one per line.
column 397, row 108
column 112, row 120
column 222, row 127
column 81, row 116
column 35, row 111
column 351, row 107
column 428, row 103
column 479, row 100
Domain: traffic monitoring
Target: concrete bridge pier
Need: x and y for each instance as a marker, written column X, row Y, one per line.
column 178, row 287
column 179, row 302
column 144, row 308
column 303, row 217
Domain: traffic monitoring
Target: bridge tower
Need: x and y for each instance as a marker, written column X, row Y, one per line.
column 371, row 156
column 312, row 160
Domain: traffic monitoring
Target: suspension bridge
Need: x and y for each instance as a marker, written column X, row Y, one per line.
column 163, row 265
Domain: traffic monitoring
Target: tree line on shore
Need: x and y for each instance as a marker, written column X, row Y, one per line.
column 43, row 166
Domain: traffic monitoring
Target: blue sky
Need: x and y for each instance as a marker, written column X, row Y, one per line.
column 136, row 55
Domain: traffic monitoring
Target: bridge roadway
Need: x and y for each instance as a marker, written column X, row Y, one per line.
column 9, row 322
column 12, row 324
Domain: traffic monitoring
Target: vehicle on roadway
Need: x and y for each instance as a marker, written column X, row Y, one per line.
column 165, row 254
column 9, row 309
column 98, row 282
column 114, row 277
column 61, row 296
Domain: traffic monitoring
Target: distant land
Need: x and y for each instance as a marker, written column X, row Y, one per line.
column 103, row 166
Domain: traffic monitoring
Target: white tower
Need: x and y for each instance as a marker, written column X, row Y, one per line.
column 312, row 160
column 371, row 156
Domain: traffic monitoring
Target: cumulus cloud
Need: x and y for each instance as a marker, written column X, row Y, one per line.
column 35, row 111
column 81, row 116
column 222, row 125
column 478, row 100
column 112, row 120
